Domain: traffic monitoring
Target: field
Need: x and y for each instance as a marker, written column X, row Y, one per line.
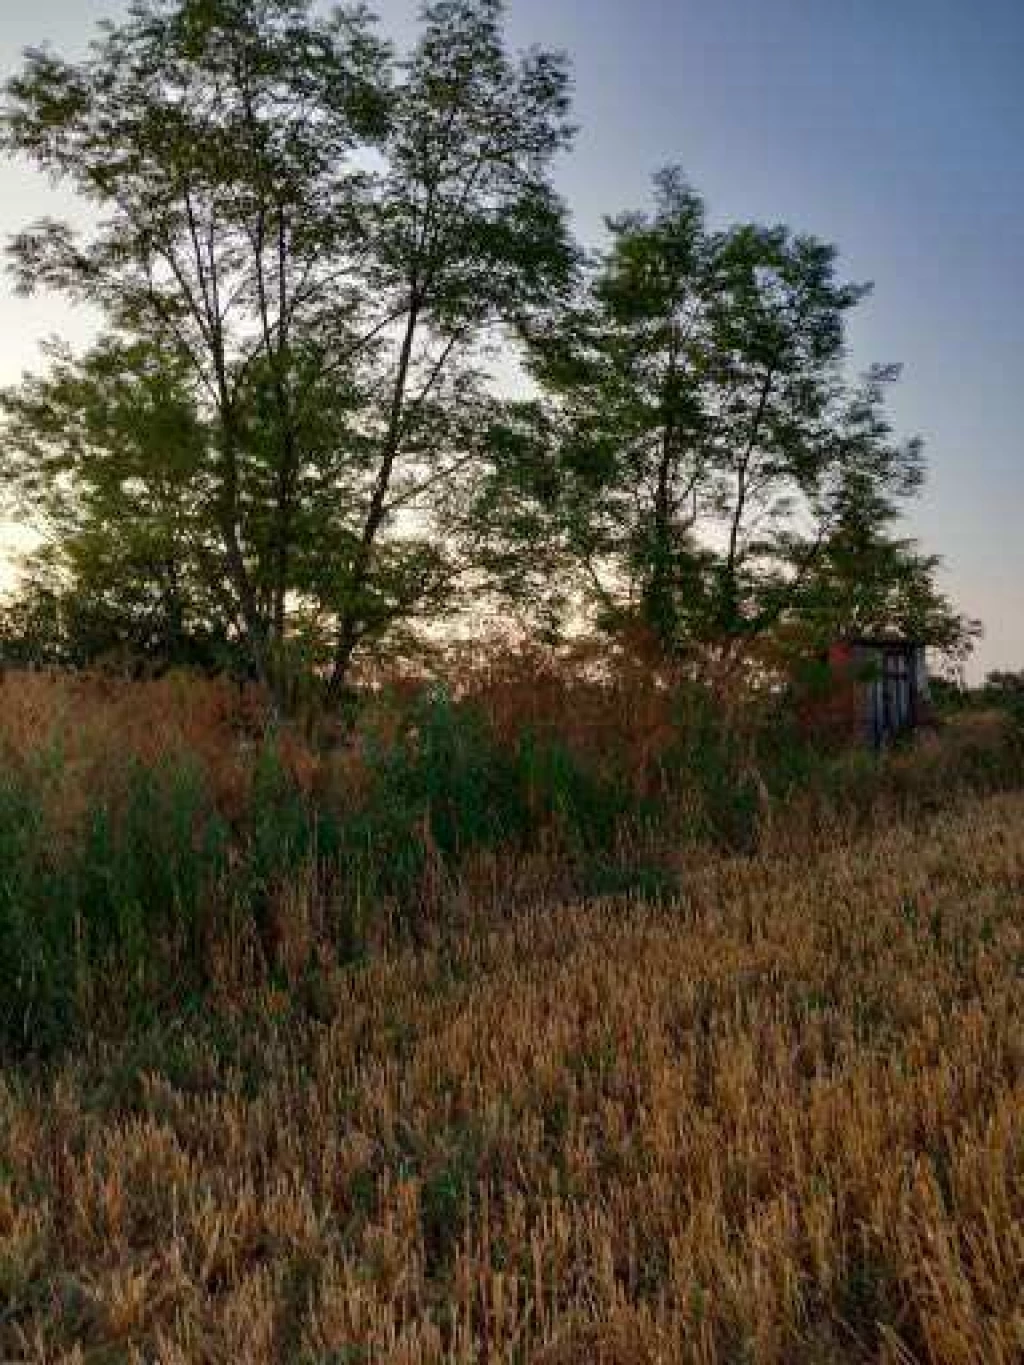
column 774, row 1115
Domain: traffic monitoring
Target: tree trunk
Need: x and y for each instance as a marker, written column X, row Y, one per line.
column 351, row 625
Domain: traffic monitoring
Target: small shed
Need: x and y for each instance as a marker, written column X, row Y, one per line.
column 881, row 683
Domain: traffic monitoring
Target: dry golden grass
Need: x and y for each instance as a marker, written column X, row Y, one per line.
column 97, row 724
column 781, row 1121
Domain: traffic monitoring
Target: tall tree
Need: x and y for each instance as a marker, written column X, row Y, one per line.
column 465, row 232
column 214, row 141
column 860, row 575
column 777, row 406
column 326, row 237
column 708, row 450
column 625, row 366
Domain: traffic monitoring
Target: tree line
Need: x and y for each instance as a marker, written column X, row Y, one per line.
column 292, row 445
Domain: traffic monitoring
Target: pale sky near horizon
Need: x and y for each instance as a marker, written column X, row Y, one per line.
column 893, row 127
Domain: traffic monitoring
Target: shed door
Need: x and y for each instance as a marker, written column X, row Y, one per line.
column 896, row 687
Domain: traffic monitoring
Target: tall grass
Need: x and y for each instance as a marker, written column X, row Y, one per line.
column 158, row 843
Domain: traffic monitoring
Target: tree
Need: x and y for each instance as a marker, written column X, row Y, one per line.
column 324, row 236
column 106, row 457
column 711, row 458
column 623, row 369
column 863, row 577
column 466, row 233
column 214, row 140
column 778, row 419
column 1004, row 685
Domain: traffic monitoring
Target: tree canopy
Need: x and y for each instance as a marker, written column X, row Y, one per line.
column 717, row 473
column 289, row 446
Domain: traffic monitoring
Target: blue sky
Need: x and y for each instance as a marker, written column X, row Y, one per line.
column 892, row 127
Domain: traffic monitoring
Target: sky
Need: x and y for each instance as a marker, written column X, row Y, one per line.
column 894, row 128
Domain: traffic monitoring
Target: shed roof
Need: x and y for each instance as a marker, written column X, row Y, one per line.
column 882, row 641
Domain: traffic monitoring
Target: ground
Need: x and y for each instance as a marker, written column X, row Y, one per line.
column 780, row 1119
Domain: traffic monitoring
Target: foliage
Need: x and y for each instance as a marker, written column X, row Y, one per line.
column 289, row 454
column 713, row 472
column 1004, row 690
column 107, row 458
column 314, row 236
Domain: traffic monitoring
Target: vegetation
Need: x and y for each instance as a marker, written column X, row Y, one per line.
column 292, row 450
column 129, row 885
column 379, row 985
column 579, row 1105
column 717, row 474
column 317, row 319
